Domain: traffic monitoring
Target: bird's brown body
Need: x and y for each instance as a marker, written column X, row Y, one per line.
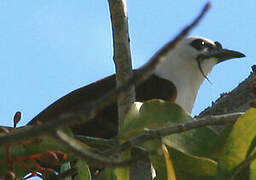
column 105, row 124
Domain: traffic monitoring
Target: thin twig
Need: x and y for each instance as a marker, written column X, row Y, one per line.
column 160, row 132
column 82, row 151
column 97, row 142
column 91, row 109
column 122, row 55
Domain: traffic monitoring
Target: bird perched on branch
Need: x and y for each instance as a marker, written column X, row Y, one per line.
column 177, row 79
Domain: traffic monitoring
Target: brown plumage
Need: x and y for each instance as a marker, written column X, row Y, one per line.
column 105, row 124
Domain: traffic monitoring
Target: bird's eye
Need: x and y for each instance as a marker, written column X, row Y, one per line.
column 198, row 44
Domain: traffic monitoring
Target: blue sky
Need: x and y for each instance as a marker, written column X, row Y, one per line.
column 49, row 48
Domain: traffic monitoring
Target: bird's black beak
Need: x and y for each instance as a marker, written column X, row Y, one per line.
column 226, row 54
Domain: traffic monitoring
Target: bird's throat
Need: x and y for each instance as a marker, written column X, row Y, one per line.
column 187, row 81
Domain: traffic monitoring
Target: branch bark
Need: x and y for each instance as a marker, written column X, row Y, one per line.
column 122, row 55
column 238, row 100
column 81, row 150
column 160, row 132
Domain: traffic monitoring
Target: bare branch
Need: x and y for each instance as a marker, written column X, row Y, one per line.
column 160, row 132
column 81, row 150
column 91, row 109
column 97, row 142
column 122, row 55
column 238, row 100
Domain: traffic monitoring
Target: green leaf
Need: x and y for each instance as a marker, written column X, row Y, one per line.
column 186, row 166
column 107, row 174
column 168, row 164
column 158, row 114
column 235, row 149
column 83, row 172
column 253, row 170
column 201, row 142
column 158, row 161
column 195, row 165
column 192, row 167
column 252, row 166
column 152, row 114
column 123, row 173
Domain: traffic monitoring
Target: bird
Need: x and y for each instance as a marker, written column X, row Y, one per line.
column 176, row 79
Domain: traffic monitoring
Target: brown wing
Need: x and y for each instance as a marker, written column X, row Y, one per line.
column 105, row 124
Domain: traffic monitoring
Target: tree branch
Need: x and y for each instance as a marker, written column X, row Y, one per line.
column 81, row 150
column 122, row 55
column 97, row 142
column 160, row 132
column 238, row 100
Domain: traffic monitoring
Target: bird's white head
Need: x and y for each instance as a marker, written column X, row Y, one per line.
column 189, row 64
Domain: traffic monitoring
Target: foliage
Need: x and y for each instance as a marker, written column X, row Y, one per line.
column 198, row 154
